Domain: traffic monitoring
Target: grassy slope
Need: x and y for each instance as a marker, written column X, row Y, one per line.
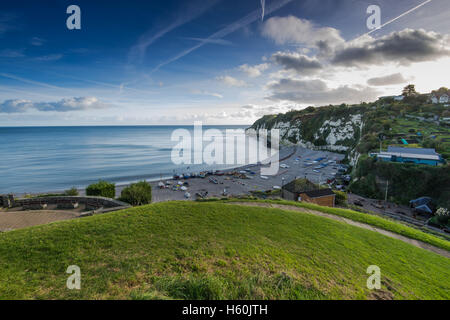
column 213, row 250
column 373, row 220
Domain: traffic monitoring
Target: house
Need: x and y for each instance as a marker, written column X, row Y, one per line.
column 305, row 190
column 440, row 96
column 410, row 155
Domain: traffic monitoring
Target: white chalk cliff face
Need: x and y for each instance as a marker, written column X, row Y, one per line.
column 338, row 134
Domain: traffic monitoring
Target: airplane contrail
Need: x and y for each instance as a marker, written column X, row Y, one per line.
column 396, row 18
column 138, row 51
column 263, row 6
column 248, row 19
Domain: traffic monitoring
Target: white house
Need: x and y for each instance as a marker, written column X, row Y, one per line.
column 440, row 97
column 444, row 98
column 434, row 99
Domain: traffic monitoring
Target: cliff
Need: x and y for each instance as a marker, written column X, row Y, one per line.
column 334, row 128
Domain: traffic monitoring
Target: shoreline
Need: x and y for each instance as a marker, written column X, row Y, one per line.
column 228, row 184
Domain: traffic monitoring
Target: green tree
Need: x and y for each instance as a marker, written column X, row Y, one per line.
column 72, row 192
column 102, row 189
column 137, row 194
column 409, row 91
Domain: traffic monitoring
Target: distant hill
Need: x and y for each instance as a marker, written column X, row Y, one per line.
column 191, row 250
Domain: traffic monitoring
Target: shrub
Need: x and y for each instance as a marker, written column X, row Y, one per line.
column 137, row 194
column 443, row 215
column 341, row 197
column 102, row 189
column 73, row 192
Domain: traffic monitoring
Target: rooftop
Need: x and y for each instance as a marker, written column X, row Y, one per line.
column 300, row 185
column 422, row 151
column 409, row 155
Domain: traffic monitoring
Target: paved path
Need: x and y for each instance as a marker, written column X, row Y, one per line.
column 414, row 242
column 12, row 220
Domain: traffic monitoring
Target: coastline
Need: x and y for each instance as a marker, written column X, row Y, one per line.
column 233, row 185
column 230, row 185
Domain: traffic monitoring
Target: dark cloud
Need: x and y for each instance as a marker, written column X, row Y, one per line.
column 317, row 92
column 64, row 105
column 297, row 62
column 392, row 79
column 403, row 47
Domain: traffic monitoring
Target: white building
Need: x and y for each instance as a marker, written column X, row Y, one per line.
column 440, row 97
column 444, row 98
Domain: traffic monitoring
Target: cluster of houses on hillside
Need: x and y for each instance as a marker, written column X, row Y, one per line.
column 441, row 96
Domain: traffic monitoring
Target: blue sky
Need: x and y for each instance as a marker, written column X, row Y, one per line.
column 216, row 61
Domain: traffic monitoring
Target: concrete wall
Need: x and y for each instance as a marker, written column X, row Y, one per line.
column 92, row 203
column 289, row 195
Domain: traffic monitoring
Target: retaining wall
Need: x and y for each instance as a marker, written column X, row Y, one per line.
column 91, row 203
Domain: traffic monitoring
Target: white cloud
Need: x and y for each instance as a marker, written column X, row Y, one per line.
column 396, row 78
column 292, row 30
column 207, row 93
column 318, row 92
column 50, row 57
column 64, row 105
column 8, row 53
column 254, row 71
column 36, row 41
column 231, row 82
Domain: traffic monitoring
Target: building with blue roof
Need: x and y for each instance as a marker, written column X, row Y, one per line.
column 410, row 155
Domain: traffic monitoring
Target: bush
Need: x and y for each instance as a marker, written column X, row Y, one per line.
column 102, row 189
column 73, row 192
column 137, row 194
column 341, row 197
column 443, row 215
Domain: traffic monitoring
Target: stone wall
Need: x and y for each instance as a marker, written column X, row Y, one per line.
column 91, row 203
column 6, row 201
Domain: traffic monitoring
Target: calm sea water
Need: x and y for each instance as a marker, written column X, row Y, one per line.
column 38, row 159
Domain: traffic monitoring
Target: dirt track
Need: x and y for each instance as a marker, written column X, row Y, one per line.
column 12, row 220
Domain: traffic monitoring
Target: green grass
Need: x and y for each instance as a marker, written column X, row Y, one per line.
column 372, row 220
column 189, row 250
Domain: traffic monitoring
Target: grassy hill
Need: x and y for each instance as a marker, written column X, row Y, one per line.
column 188, row 250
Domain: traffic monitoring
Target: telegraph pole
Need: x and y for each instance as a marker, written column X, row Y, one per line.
column 387, row 188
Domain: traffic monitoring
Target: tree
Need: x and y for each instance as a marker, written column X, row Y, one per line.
column 72, row 192
column 443, row 215
column 101, row 189
column 137, row 194
column 409, row 91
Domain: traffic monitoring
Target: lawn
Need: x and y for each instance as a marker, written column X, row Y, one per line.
column 190, row 250
column 369, row 219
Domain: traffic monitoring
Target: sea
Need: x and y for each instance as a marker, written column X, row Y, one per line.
column 51, row 159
